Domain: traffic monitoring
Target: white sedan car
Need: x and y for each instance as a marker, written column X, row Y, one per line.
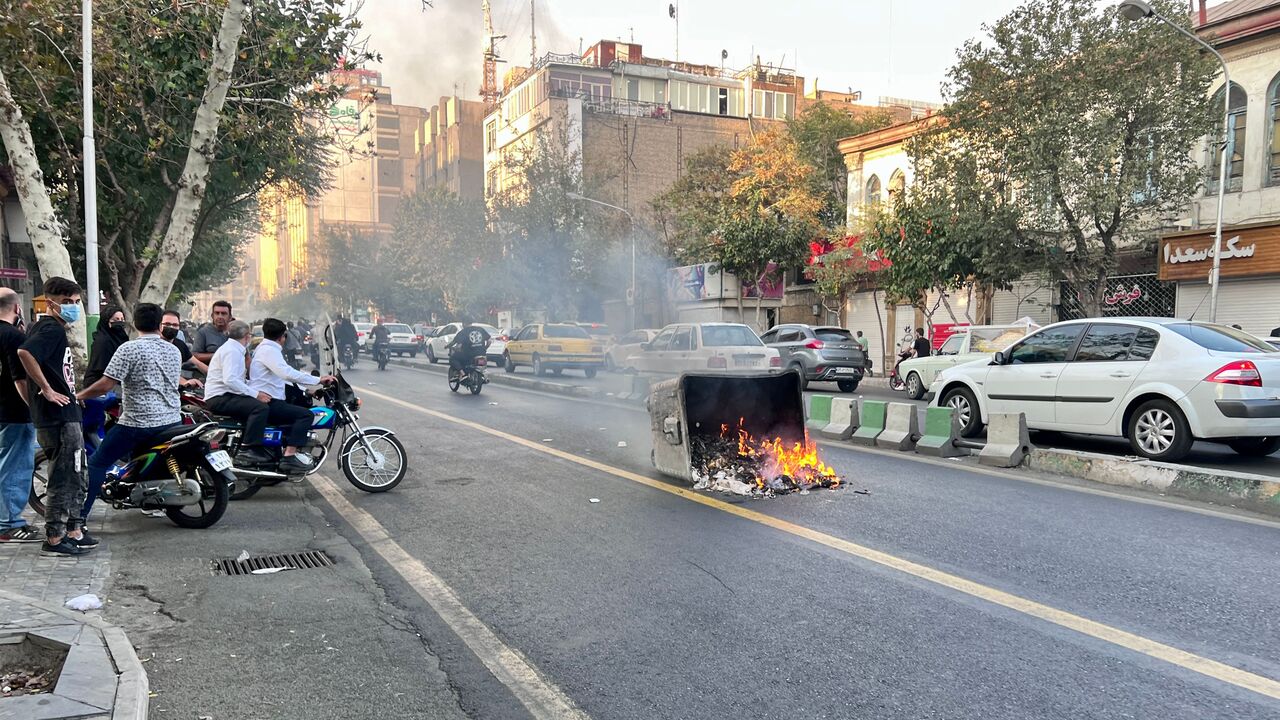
column 1160, row 383
column 439, row 341
column 702, row 347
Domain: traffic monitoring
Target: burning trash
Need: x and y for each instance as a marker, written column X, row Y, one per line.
column 736, row 462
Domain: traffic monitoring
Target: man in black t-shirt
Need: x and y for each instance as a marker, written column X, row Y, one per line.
column 921, row 344
column 471, row 342
column 51, row 377
column 170, row 325
column 17, row 434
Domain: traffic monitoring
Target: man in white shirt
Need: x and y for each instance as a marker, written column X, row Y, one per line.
column 268, row 374
column 227, row 392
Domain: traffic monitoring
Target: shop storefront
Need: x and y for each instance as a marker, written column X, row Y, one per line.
column 1249, row 294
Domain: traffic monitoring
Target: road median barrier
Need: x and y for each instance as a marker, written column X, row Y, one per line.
column 901, row 428
column 941, row 430
column 871, row 417
column 844, row 418
column 818, row 416
column 1008, row 440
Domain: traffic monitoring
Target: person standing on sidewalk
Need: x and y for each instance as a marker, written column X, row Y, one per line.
column 149, row 371
column 50, row 368
column 17, row 434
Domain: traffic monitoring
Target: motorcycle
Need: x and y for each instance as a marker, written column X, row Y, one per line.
column 382, row 354
column 372, row 458
column 348, row 356
column 471, row 377
column 896, row 382
column 181, row 471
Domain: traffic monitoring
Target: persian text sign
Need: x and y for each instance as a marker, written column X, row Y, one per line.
column 1247, row 250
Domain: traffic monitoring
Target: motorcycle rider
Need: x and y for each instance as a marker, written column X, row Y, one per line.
column 381, row 337
column 227, row 392
column 471, row 342
column 268, row 373
column 344, row 333
column 149, row 370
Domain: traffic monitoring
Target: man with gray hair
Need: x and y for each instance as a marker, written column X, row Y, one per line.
column 17, row 434
column 227, row 392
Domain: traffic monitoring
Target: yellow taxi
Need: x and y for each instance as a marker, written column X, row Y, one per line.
column 554, row 347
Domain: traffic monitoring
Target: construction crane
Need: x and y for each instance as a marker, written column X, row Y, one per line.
column 489, row 85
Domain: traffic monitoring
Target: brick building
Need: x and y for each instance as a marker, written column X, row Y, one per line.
column 451, row 148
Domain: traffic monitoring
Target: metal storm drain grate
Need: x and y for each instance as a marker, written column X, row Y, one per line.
column 264, row 564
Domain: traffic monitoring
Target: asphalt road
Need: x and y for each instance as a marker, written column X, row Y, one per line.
column 944, row 593
column 1203, row 454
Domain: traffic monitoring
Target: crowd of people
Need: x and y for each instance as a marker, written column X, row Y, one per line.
column 40, row 405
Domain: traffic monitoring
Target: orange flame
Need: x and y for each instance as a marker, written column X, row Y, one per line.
column 798, row 460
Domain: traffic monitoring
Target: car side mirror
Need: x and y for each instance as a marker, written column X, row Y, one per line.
column 998, row 358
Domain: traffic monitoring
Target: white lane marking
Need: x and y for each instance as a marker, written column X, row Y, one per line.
column 538, row 694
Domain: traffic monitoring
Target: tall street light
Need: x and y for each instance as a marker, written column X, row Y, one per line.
column 90, row 172
column 631, row 301
column 1137, row 10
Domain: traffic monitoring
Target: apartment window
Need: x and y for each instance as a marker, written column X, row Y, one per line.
column 389, row 173
column 388, row 122
column 491, row 135
column 873, row 190
column 388, row 142
column 1273, row 155
column 768, row 104
column 1235, row 146
column 724, row 101
column 633, row 89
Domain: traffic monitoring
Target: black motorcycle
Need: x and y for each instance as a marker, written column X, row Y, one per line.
column 470, row 376
column 372, row 458
column 181, row 471
column 348, row 356
column 382, row 354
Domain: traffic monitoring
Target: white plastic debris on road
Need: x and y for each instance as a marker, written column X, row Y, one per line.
column 721, row 482
column 84, row 603
column 595, row 500
column 268, row 571
column 622, row 443
column 244, row 555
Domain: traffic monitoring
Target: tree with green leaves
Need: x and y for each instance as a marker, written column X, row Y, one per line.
column 1069, row 137
column 817, row 131
column 199, row 107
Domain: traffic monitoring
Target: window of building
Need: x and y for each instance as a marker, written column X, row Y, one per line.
column 1235, row 147
column 389, row 142
column 491, row 136
column 388, row 122
column 1273, row 153
column 897, row 183
column 873, row 190
column 633, row 89
column 389, row 173
column 724, row 101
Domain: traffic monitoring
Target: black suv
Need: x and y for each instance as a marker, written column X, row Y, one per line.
column 819, row 354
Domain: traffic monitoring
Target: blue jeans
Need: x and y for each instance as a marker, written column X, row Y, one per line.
column 17, row 463
column 117, row 445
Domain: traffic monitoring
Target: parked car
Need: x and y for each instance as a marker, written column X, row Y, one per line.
column 819, row 354
column 686, row 347
column 402, row 339
column 615, row 358
column 555, row 347
column 965, row 346
column 362, row 335
column 1160, row 383
column 438, row 343
column 421, row 333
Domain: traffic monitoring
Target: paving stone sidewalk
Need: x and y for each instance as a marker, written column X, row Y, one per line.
column 101, row 676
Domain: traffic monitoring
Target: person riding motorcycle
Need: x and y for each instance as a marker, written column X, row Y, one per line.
column 381, row 337
column 344, row 333
column 472, row 341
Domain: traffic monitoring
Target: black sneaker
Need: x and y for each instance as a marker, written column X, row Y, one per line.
column 85, row 540
column 66, row 547
column 24, row 534
column 254, row 456
column 293, row 466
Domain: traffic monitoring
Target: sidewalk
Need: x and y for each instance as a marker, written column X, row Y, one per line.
column 101, row 676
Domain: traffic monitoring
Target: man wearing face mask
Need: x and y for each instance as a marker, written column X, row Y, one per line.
column 50, row 369
column 169, row 329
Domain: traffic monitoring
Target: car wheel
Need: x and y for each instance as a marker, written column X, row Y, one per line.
column 1255, row 446
column 965, row 407
column 431, row 355
column 590, row 372
column 847, row 386
column 915, row 388
column 413, row 354
column 507, row 364
column 1158, row 431
column 538, row 368
column 804, row 381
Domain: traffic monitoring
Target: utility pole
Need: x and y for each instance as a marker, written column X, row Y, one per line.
column 90, row 173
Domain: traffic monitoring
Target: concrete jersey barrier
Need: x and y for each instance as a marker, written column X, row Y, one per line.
column 819, row 415
column 844, row 418
column 901, row 428
column 941, row 429
column 1008, row 440
column 871, row 417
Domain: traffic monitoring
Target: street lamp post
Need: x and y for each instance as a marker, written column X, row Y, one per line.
column 90, row 172
column 1137, row 10
column 632, row 232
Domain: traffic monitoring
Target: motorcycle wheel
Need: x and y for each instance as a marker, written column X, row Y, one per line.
column 455, row 381
column 39, row 485
column 362, row 473
column 213, row 501
column 476, row 383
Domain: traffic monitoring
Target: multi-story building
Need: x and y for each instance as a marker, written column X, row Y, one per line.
column 451, row 148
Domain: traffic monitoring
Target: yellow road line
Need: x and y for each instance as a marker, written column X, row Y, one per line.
column 541, row 697
column 1130, row 641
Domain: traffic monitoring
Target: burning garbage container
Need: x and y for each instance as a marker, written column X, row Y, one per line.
column 739, row 433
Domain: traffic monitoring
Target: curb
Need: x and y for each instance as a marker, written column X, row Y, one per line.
column 132, row 687
column 1259, row 493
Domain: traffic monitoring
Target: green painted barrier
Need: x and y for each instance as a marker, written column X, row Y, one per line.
column 819, row 412
column 871, row 422
column 940, row 432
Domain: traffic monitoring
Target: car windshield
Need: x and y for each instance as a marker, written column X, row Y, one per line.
column 493, row 331
column 833, row 334
column 729, row 336
column 1220, row 338
column 565, row 331
column 398, row 328
column 989, row 340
